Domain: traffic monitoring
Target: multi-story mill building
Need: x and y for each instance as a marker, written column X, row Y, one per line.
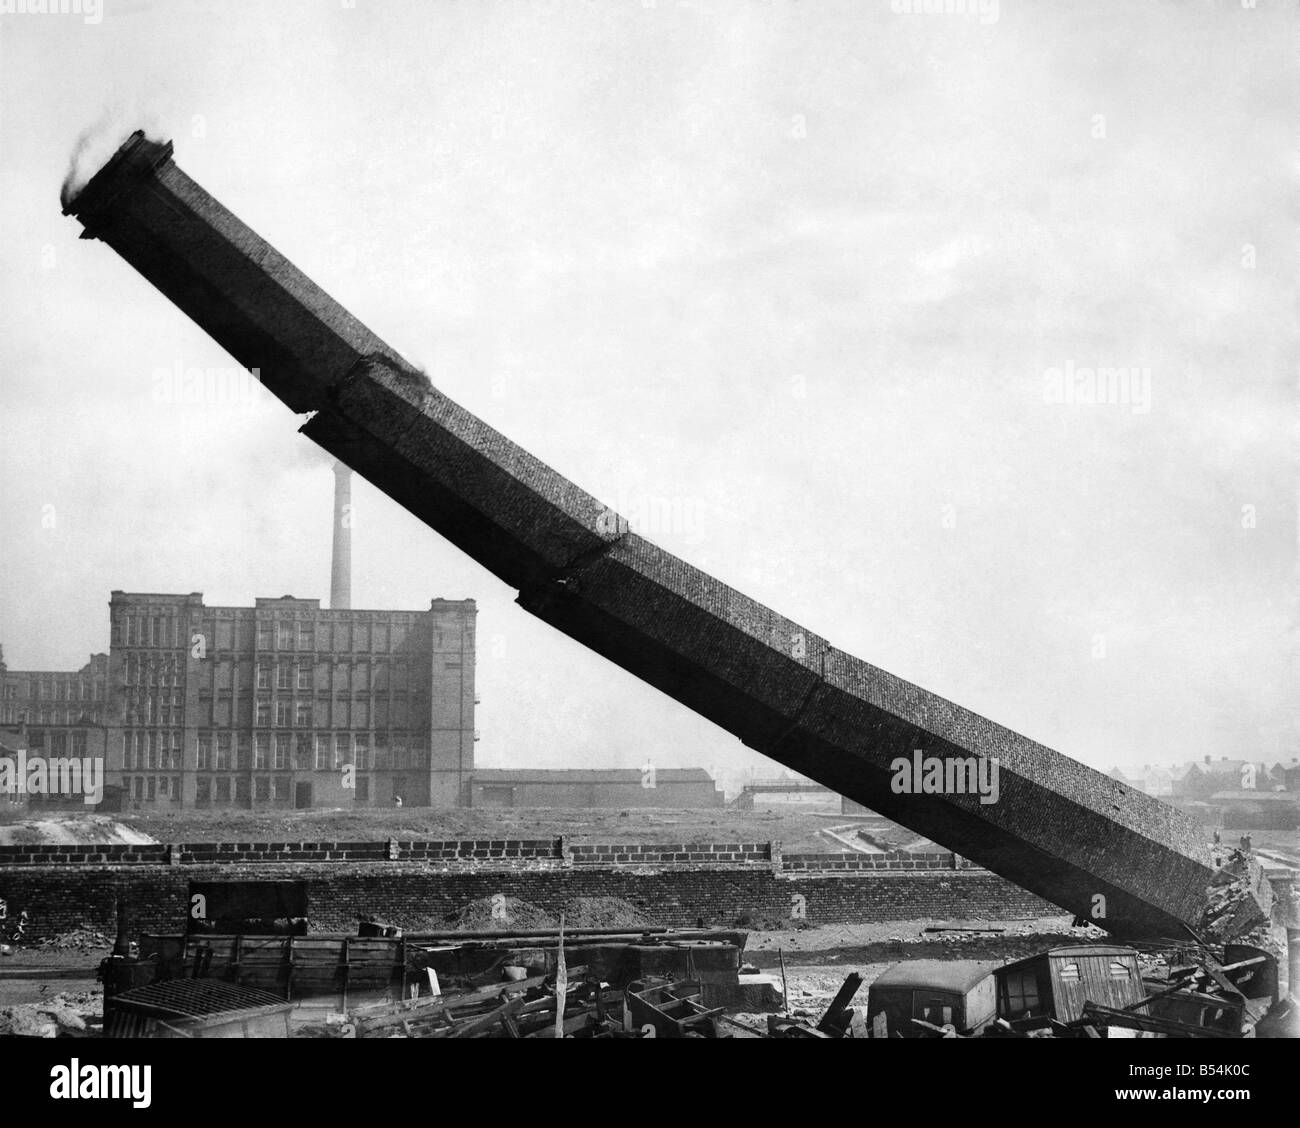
column 58, row 713
column 281, row 704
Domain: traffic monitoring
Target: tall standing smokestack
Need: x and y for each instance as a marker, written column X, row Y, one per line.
column 341, row 566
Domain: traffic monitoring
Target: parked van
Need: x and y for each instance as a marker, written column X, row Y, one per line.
column 957, row 996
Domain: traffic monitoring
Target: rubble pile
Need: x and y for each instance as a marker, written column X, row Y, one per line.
column 1232, row 911
column 603, row 912
column 82, row 939
column 581, row 1005
column 60, row 1016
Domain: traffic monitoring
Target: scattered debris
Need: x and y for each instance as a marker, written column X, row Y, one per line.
column 81, row 939
column 517, row 1009
column 956, row 929
column 1232, row 910
column 663, row 1009
column 75, row 1015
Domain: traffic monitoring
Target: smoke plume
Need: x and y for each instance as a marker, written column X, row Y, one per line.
column 99, row 142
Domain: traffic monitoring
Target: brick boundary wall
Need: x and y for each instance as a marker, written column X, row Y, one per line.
column 236, row 853
column 420, row 885
column 673, row 854
column 417, row 897
column 895, row 861
column 478, row 851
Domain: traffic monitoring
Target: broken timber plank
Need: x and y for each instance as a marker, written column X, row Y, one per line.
column 1110, row 1016
column 438, row 1006
column 470, row 1027
column 836, row 1017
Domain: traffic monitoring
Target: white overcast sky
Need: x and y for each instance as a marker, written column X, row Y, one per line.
column 790, row 274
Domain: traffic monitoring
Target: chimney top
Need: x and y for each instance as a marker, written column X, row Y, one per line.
column 136, row 158
column 341, row 561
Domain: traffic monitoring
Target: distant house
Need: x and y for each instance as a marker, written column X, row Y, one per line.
column 1289, row 771
column 1189, row 782
column 1150, row 778
column 1284, row 775
column 1228, row 773
column 1197, row 780
column 1158, row 781
column 601, row 788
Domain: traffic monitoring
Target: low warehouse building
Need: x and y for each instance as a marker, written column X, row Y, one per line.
column 615, row 787
column 1257, row 810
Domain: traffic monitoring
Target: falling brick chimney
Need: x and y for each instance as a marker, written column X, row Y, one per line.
column 1060, row 830
column 341, row 563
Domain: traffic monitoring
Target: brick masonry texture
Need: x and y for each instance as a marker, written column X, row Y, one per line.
column 418, row 885
column 416, row 897
column 500, row 852
column 685, row 853
column 471, row 850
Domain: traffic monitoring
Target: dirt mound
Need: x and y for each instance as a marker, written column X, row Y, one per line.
column 72, row 830
column 603, row 912
column 500, row 914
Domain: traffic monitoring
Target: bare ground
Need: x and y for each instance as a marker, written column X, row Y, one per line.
column 796, row 830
